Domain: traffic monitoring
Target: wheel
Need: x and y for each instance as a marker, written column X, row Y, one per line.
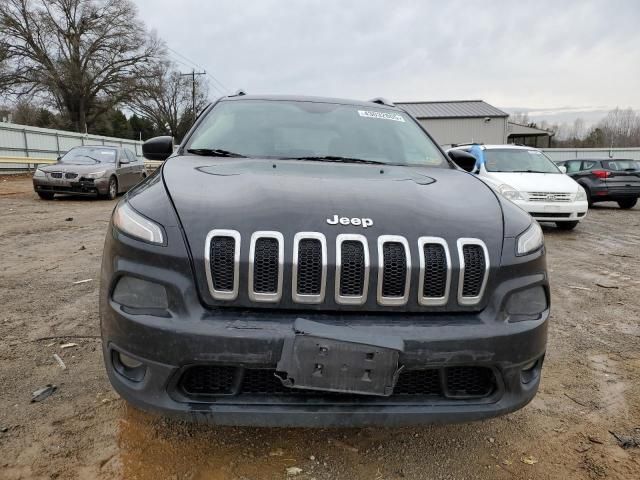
column 112, row 192
column 627, row 203
column 46, row 195
column 566, row 225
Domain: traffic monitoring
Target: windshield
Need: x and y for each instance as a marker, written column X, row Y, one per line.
column 314, row 130
column 89, row 155
column 622, row 165
column 518, row 160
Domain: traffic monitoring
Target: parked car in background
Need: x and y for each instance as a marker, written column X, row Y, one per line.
column 616, row 180
column 528, row 178
column 90, row 170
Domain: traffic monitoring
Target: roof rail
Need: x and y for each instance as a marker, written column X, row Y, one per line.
column 465, row 144
column 239, row 93
column 382, row 101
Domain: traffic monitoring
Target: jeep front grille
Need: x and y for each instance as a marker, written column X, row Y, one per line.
column 306, row 263
column 309, row 273
column 474, row 269
column 222, row 256
column 352, row 269
column 266, row 259
column 435, row 271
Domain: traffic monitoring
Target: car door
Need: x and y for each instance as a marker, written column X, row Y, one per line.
column 123, row 171
column 137, row 167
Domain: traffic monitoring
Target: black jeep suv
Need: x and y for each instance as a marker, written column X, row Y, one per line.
column 320, row 262
column 606, row 180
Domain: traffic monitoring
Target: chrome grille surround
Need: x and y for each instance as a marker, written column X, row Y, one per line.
column 382, row 300
column 261, row 296
column 550, row 197
column 433, row 301
column 302, row 298
column 222, row 294
column 466, row 300
column 351, row 299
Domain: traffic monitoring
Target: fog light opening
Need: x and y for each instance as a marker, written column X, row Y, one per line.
column 129, row 367
column 531, row 371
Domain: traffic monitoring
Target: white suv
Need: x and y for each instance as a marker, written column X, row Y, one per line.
column 528, row 178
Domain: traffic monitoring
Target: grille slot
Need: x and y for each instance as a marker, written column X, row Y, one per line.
column 451, row 382
column 222, row 261
column 435, row 271
column 56, row 175
column 394, row 266
column 474, row 267
column 70, row 176
column 265, row 270
column 309, row 267
column 352, row 272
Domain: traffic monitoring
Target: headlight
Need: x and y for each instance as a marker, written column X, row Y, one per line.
column 508, row 192
column 128, row 221
column 95, row 174
column 531, row 240
column 39, row 174
column 581, row 196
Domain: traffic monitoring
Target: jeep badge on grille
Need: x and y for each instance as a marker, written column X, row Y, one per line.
column 359, row 222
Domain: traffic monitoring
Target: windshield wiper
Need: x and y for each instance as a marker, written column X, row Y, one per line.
column 337, row 159
column 214, row 152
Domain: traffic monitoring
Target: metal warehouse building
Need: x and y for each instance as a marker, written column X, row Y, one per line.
column 460, row 121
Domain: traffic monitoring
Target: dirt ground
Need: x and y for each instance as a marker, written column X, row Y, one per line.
column 590, row 385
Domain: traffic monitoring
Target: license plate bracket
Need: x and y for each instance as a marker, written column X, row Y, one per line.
column 334, row 359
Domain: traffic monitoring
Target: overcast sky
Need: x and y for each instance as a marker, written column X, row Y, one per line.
column 572, row 57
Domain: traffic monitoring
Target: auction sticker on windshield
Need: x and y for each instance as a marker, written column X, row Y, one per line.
column 382, row 115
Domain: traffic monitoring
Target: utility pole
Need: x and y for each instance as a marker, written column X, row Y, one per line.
column 193, row 88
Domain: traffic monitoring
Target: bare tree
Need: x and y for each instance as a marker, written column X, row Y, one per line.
column 85, row 56
column 621, row 128
column 521, row 118
column 166, row 99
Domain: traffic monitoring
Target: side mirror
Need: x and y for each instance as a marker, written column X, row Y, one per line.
column 124, row 161
column 58, row 158
column 158, row 148
column 462, row 159
column 562, row 168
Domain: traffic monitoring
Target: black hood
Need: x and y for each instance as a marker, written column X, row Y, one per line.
column 291, row 196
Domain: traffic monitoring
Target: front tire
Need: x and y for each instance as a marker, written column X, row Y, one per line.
column 566, row 225
column 627, row 203
column 45, row 195
column 112, row 190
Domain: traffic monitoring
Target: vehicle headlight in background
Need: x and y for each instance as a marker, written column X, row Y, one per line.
column 38, row 173
column 581, row 196
column 510, row 193
column 130, row 222
column 530, row 240
column 99, row 174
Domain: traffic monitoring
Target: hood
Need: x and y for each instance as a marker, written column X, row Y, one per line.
column 535, row 182
column 288, row 196
column 79, row 168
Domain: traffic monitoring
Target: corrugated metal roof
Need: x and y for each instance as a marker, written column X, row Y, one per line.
column 452, row 109
column 519, row 129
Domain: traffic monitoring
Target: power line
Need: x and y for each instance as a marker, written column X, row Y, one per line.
column 193, row 88
column 196, row 65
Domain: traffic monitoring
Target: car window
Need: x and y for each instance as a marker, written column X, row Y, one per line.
column 518, row 160
column 131, row 156
column 573, row 166
column 622, row 165
column 588, row 165
column 90, row 155
column 290, row 129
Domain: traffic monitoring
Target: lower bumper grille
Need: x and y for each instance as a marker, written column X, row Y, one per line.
column 550, row 215
column 448, row 382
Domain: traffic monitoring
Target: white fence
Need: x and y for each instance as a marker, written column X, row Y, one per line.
column 22, row 141
column 572, row 153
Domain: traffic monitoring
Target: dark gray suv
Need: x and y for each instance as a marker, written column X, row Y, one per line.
column 608, row 179
column 320, row 262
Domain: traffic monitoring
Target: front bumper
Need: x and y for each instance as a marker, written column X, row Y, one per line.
column 99, row 186
column 188, row 334
column 555, row 211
